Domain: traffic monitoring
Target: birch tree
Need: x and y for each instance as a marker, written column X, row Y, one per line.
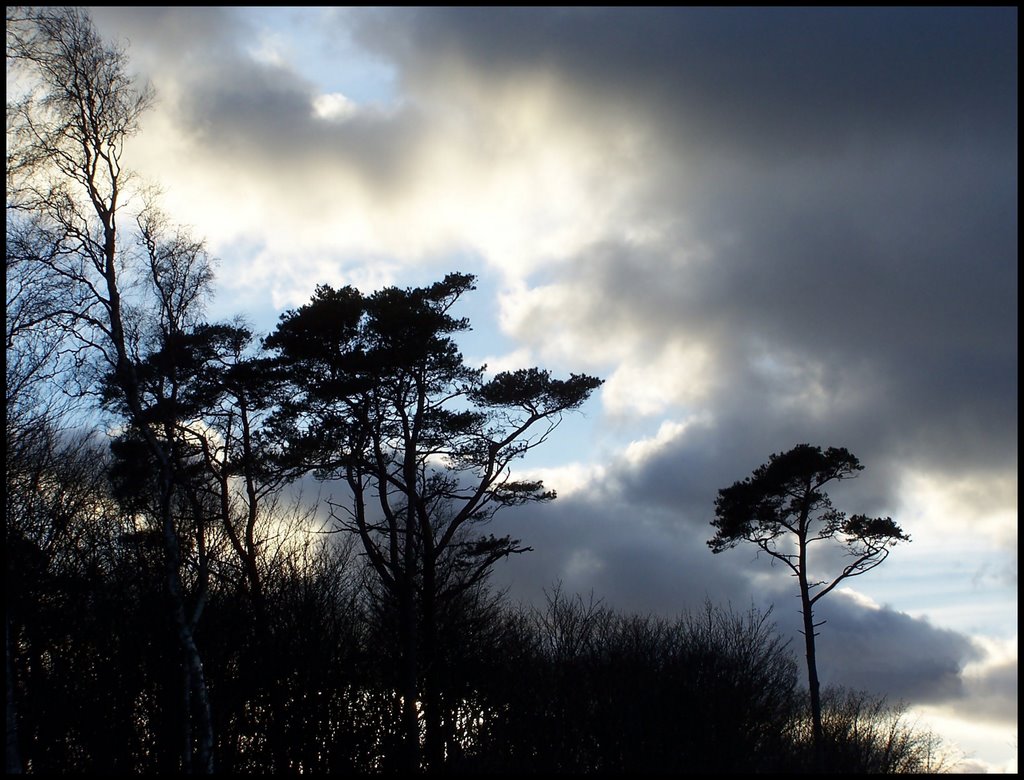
column 126, row 281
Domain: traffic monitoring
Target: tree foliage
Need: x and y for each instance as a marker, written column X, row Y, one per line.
column 784, row 499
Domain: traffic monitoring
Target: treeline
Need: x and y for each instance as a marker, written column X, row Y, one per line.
column 310, row 684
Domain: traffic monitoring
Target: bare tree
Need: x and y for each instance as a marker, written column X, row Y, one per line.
column 68, row 120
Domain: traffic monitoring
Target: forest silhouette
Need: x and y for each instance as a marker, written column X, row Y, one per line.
column 174, row 603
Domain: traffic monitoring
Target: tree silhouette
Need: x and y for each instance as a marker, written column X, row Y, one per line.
column 380, row 397
column 781, row 505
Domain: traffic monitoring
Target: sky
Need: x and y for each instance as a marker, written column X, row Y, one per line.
column 762, row 227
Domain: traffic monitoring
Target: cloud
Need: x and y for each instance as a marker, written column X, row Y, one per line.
column 425, row 174
column 333, row 106
column 823, row 230
column 889, row 652
column 795, row 81
column 822, row 240
column 983, row 501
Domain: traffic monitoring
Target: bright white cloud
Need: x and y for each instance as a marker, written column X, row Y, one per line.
column 597, row 477
column 967, row 739
column 681, row 373
column 518, row 358
column 569, row 479
column 641, row 450
column 646, row 373
column 334, row 106
column 860, row 599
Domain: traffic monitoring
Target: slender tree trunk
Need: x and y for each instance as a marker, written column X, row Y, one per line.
column 410, row 608
column 204, row 753
column 812, row 673
column 807, row 610
column 194, row 679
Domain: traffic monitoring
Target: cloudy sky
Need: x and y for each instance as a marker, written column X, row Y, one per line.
column 761, row 227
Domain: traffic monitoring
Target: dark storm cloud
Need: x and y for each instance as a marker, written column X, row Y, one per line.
column 906, row 288
column 909, row 272
column 778, row 80
column 183, row 31
column 619, row 553
column 683, row 478
column 852, row 172
column 888, row 652
column 925, row 375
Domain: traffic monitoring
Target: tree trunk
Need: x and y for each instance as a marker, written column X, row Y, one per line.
column 812, row 674
column 194, row 679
